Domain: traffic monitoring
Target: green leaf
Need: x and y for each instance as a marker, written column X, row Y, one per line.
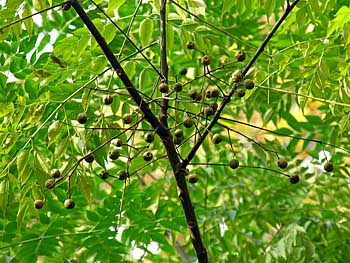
column 22, row 160
column 54, row 130
column 146, row 31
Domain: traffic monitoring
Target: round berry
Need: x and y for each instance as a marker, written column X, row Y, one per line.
column 38, row 204
column 50, row 183
column 149, row 137
column 183, row 71
column 294, row 179
column 118, row 142
column 205, row 60
column 240, row 93
column 147, row 156
column 190, row 45
column 122, row 175
column 179, row 133
column 104, row 174
column 193, row 93
column 217, row 138
column 282, row 163
column 237, row 77
column 108, row 99
column 188, row 122
column 178, row 87
column 234, row 163
column 163, row 88
column 89, row 158
column 240, row 55
column 328, row 167
column 82, row 117
column 114, row 154
column 193, row 178
column 55, row 173
column 69, row 203
column 127, row 118
column 249, row 84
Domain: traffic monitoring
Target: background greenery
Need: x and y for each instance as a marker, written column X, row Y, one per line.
column 51, row 70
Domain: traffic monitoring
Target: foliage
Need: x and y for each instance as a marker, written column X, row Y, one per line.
column 52, row 70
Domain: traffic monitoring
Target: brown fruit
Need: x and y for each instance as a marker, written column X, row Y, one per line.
column 104, row 174
column 89, row 158
column 328, row 167
column 69, row 203
column 282, row 163
column 240, row 93
column 118, row 142
column 164, row 88
column 108, row 99
column 178, row 87
column 147, row 156
column 240, row 55
column 249, row 84
column 193, row 93
column 188, row 122
column 234, row 163
column 82, row 117
column 114, row 154
column 122, row 175
column 205, row 60
column 208, row 111
column 214, row 93
column 193, row 178
column 294, row 179
column 50, row 183
column 217, row 138
column 149, row 137
column 38, row 204
column 214, row 106
column 55, row 173
column 208, row 93
column 190, row 45
column 237, row 77
column 127, row 118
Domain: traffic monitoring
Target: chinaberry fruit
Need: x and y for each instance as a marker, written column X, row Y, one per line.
column 108, row 99
column 193, row 178
column 114, row 154
column 190, row 45
column 147, row 156
column 164, row 88
column 328, row 167
column 55, row 173
column 205, row 60
column 249, row 84
column 178, row 87
column 188, row 122
column 240, row 93
column 50, row 183
column 240, row 55
column 282, row 163
column 89, row 158
column 294, row 179
column 217, row 138
column 234, row 163
column 237, row 77
column 82, row 117
column 38, row 204
column 149, row 137
column 127, row 118
column 104, row 174
column 69, row 203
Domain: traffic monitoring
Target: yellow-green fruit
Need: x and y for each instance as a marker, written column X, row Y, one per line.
column 294, row 179
column 193, row 178
column 69, row 203
column 188, row 122
column 190, row 45
column 82, row 117
column 217, row 138
column 240, row 55
column 164, row 88
column 127, row 118
column 55, row 173
column 249, row 84
column 234, row 163
column 38, row 204
column 328, row 167
column 147, row 156
column 282, row 163
column 178, row 87
column 108, row 99
column 50, row 183
column 205, row 60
